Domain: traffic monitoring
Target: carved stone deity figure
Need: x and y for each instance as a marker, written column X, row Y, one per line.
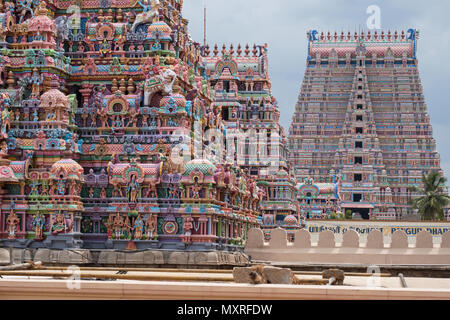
column 103, row 116
column 36, row 81
column 103, row 193
column 196, row 191
column 109, row 226
column 150, row 225
column 117, row 225
column 25, row 6
column 127, row 228
column 138, row 227
column 219, row 175
column 44, row 189
column 61, row 187
column 93, row 117
column 6, row 121
column 59, row 225
column 12, row 225
column 38, row 225
column 34, row 189
column 151, row 192
column 133, row 189
column 133, row 118
column 187, row 226
column 213, row 193
column 73, row 188
column 173, row 192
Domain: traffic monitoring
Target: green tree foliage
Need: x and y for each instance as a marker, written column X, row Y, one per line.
column 348, row 214
column 431, row 204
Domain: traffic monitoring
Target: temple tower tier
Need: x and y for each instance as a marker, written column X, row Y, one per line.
column 361, row 116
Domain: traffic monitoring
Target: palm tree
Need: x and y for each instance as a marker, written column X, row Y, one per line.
column 434, row 199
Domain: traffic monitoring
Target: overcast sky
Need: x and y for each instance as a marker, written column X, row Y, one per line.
column 282, row 24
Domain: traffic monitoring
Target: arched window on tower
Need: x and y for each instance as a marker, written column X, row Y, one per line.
column 226, row 86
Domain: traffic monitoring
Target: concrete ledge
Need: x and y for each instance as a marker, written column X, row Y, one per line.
column 279, row 249
column 418, row 256
column 5, row 258
column 107, row 257
column 42, row 289
column 75, row 256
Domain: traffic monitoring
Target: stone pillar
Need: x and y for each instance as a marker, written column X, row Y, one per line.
column 227, row 229
column 203, row 225
column 231, row 229
column 86, row 92
column 2, row 219
column 50, row 224
column 24, row 216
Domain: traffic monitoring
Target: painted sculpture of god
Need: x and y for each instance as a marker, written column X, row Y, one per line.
column 161, row 82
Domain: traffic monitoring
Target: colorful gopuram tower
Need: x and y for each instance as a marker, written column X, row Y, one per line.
column 102, row 138
column 361, row 116
column 254, row 139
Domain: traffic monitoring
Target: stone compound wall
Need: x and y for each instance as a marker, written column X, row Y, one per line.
column 145, row 258
column 351, row 250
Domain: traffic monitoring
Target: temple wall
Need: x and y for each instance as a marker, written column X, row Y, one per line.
column 352, row 249
column 387, row 228
column 114, row 258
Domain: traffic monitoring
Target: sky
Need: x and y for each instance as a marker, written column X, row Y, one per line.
column 283, row 24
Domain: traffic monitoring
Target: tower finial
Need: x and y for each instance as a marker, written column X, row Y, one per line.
column 204, row 22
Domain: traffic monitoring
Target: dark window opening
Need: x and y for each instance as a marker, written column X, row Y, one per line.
column 359, row 130
column 358, row 144
column 225, row 114
column 357, row 177
column 357, row 197
column 359, row 106
column 359, row 96
column 359, row 118
column 226, row 86
column 358, row 160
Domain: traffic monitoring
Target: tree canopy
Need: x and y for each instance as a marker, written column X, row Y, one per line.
column 434, row 197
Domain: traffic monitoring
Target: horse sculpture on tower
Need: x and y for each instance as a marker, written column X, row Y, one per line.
column 149, row 14
column 163, row 82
